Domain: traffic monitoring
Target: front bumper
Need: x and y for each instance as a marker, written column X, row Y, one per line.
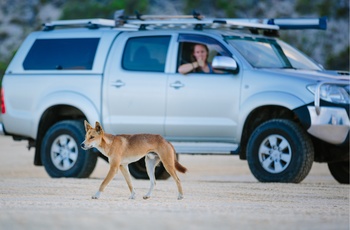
column 330, row 124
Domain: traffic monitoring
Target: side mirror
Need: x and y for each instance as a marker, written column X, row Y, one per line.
column 224, row 63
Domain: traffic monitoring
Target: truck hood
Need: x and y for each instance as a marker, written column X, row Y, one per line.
column 312, row 75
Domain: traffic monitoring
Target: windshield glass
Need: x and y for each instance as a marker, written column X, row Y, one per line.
column 270, row 53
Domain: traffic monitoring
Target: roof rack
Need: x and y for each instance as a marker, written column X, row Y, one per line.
column 141, row 22
column 196, row 20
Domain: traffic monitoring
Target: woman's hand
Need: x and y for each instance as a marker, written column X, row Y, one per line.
column 201, row 63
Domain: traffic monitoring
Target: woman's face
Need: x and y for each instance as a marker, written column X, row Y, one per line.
column 200, row 53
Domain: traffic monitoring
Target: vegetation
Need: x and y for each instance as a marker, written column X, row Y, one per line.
column 335, row 11
column 339, row 60
column 3, row 66
column 77, row 9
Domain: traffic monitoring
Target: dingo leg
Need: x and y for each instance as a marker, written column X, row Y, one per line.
column 126, row 173
column 111, row 173
column 169, row 165
column 152, row 161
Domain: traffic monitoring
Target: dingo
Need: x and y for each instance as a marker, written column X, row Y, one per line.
column 122, row 150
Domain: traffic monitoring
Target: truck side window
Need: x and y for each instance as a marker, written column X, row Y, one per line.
column 61, row 54
column 146, row 53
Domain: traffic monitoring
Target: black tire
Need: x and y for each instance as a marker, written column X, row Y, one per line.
column 340, row 171
column 280, row 151
column 61, row 154
column 138, row 170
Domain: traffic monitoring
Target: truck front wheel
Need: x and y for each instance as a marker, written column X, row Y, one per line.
column 280, row 151
column 61, row 154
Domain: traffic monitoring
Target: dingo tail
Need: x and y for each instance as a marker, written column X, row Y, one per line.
column 180, row 167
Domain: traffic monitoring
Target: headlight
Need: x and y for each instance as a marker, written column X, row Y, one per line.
column 332, row 93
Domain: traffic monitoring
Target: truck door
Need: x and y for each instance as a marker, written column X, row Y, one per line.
column 202, row 106
column 135, row 85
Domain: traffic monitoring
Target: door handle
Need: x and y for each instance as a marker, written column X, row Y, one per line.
column 177, row 85
column 118, row 84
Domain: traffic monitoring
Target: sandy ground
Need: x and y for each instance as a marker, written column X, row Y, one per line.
column 220, row 193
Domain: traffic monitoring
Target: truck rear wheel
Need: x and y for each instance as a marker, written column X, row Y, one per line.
column 340, row 171
column 138, row 170
column 280, row 151
column 61, row 154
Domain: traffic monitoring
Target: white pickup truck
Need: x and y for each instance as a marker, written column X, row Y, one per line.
column 270, row 104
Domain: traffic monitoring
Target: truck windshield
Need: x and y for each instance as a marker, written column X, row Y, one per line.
column 270, row 53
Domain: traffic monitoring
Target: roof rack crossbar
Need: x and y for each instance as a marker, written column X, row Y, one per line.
column 283, row 23
column 91, row 23
column 145, row 20
column 196, row 20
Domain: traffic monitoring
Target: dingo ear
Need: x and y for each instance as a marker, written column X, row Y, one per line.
column 98, row 128
column 87, row 126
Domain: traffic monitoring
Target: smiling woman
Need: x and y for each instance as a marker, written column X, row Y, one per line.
column 199, row 62
column 197, row 52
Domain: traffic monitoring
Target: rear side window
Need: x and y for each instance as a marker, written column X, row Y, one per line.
column 61, row 54
column 146, row 53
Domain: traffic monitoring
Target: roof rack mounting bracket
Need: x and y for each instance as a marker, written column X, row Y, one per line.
column 198, row 27
column 143, row 27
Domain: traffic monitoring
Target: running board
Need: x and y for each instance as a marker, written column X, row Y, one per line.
column 205, row 148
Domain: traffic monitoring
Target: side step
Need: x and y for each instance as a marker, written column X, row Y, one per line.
column 205, row 148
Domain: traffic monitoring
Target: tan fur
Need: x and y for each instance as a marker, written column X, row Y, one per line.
column 122, row 150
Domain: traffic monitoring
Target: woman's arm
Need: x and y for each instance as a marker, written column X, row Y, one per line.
column 189, row 67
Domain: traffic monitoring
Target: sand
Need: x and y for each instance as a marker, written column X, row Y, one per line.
column 220, row 193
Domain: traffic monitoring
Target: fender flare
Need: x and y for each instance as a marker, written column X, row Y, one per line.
column 276, row 98
column 73, row 99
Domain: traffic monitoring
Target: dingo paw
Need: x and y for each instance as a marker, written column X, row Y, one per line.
column 96, row 196
column 132, row 196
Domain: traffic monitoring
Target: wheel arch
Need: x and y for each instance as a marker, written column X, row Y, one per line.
column 74, row 107
column 259, row 116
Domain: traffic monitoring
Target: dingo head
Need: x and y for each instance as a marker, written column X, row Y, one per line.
column 93, row 136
